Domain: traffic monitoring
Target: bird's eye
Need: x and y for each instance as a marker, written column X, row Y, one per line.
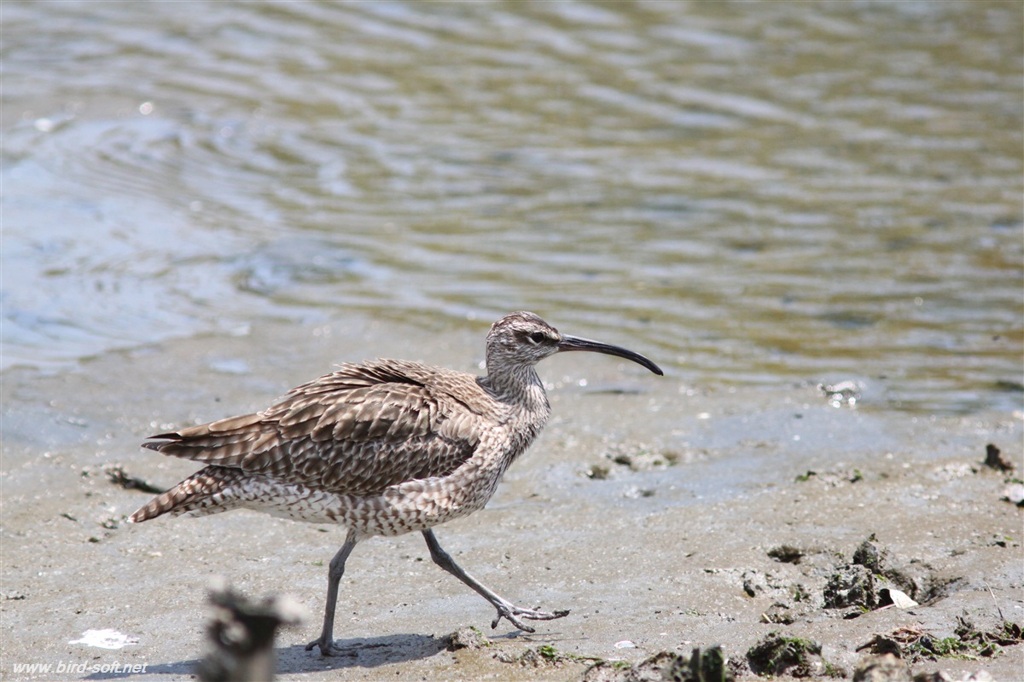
column 537, row 337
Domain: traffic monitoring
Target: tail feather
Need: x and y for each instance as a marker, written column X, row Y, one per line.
column 226, row 442
column 197, row 492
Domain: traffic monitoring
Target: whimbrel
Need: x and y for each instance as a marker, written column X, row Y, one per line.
column 382, row 448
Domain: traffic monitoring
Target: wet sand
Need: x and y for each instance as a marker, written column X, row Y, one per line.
column 665, row 516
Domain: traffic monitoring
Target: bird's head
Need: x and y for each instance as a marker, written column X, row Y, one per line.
column 522, row 339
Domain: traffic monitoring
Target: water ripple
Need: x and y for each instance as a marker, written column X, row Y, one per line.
column 789, row 193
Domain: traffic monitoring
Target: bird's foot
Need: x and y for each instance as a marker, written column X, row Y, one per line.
column 327, row 648
column 510, row 612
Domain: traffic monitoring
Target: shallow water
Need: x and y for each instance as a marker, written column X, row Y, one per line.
column 756, row 193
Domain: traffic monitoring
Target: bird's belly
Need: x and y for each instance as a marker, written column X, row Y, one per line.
column 411, row 506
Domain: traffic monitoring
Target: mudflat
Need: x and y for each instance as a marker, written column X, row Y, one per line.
column 666, row 517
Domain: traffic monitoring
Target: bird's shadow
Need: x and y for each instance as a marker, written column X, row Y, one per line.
column 368, row 652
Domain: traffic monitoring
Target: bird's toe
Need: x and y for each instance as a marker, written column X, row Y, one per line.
column 531, row 614
column 327, row 648
column 513, row 614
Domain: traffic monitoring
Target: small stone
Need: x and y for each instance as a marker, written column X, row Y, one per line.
column 786, row 554
column 995, row 459
column 870, row 556
column 777, row 655
column 1014, row 493
column 852, row 585
column 884, row 668
column 467, row 638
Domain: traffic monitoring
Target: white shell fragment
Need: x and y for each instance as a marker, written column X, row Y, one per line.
column 899, row 599
column 105, row 639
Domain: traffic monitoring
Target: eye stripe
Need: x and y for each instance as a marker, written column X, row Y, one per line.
column 535, row 338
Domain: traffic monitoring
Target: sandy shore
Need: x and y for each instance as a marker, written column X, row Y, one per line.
column 664, row 516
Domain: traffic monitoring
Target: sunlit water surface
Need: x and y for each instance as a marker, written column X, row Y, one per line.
column 752, row 193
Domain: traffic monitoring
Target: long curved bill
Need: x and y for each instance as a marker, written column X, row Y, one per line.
column 570, row 343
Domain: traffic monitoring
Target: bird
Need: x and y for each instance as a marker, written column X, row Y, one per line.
column 381, row 448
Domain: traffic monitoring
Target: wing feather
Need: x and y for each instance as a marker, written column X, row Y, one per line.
column 355, row 431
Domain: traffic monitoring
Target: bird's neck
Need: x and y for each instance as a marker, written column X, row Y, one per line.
column 518, row 385
column 527, row 408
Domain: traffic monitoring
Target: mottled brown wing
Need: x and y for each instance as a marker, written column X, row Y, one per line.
column 355, row 431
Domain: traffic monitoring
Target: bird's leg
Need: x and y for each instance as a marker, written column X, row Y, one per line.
column 334, row 573
column 505, row 608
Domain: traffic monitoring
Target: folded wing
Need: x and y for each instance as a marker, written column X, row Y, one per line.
column 355, row 431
